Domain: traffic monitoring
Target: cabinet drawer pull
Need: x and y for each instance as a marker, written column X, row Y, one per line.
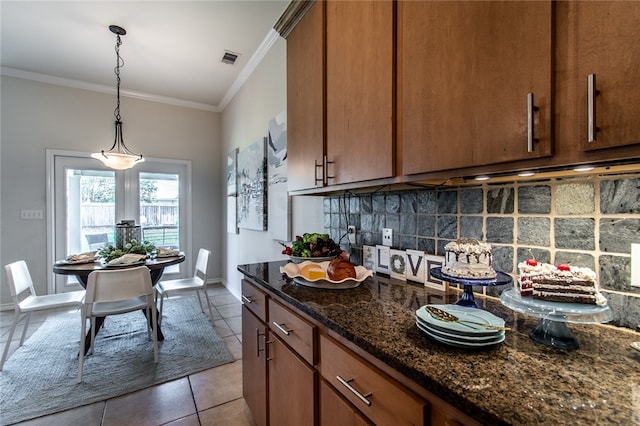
column 281, row 328
column 258, row 350
column 353, row 390
column 531, row 109
column 592, row 92
column 246, row 299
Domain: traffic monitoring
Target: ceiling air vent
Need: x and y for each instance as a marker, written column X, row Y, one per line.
column 230, row 57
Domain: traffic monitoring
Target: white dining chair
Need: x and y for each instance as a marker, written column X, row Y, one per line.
column 113, row 292
column 26, row 301
column 197, row 282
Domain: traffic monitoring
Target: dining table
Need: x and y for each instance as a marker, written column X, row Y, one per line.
column 81, row 271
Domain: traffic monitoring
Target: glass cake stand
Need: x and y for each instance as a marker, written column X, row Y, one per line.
column 467, row 298
column 552, row 329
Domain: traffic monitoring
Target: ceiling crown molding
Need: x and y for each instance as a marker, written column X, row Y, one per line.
column 291, row 16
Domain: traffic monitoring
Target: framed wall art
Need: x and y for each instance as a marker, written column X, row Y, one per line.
column 279, row 216
column 252, row 188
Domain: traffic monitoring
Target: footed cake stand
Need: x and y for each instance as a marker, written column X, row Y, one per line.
column 467, row 298
column 552, row 329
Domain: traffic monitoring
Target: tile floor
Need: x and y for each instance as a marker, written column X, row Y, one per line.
column 211, row 397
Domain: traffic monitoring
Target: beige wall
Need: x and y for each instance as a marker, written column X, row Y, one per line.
column 39, row 116
column 244, row 121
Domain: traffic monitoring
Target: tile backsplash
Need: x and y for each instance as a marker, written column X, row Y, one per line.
column 585, row 220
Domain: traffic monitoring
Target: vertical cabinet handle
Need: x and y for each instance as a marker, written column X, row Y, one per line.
column 362, row 397
column 592, row 92
column 315, row 173
column 326, row 163
column 531, row 109
column 281, row 328
column 258, row 350
column 245, row 299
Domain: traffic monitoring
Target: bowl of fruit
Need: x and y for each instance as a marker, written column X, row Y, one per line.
column 314, row 247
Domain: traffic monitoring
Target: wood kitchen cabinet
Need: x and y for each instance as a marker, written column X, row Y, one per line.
column 465, row 74
column 305, row 101
column 278, row 351
column 359, row 90
column 340, row 89
column 335, row 410
column 607, row 40
column 254, row 366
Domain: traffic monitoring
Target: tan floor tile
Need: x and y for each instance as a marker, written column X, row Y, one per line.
column 222, row 328
column 217, row 385
column 235, row 324
column 152, row 406
column 234, row 413
column 234, row 346
column 89, row 415
column 191, row 420
column 224, row 299
column 230, row 311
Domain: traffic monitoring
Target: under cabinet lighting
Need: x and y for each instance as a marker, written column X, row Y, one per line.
column 526, row 174
column 583, row 169
column 481, row 178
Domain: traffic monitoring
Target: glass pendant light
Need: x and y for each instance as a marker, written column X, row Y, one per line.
column 118, row 157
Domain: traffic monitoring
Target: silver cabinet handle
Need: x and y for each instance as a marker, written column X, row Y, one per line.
column 246, row 299
column 315, row 173
column 592, row 92
column 258, row 350
column 347, row 384
column 281, row 328
column 531, row 109
column 326, row 169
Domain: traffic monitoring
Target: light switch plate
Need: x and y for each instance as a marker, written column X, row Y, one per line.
column 387, row 237
column 635, row 265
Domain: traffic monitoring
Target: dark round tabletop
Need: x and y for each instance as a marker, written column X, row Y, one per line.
column 82, row 270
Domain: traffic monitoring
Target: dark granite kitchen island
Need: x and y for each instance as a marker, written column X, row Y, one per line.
column 518, row 382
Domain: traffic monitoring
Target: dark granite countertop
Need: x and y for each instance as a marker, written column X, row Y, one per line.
column 518, row 382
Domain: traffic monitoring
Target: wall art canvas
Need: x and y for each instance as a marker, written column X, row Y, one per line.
column 232, row 159
column 279, row 205
column 252, row 189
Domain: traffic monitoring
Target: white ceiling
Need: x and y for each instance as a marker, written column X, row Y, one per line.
column 172, row 50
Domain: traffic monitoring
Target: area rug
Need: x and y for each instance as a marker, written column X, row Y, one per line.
column 40, row 377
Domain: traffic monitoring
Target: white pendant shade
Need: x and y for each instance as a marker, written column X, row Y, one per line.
column 118, row 161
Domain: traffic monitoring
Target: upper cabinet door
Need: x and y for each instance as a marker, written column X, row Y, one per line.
column 474, row 83
column 305, row 100
column 360, row 90
column 608, row 47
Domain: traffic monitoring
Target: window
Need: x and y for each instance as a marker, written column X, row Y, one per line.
column 87, row 200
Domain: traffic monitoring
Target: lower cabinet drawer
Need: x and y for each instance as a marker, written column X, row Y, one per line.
column 378, row 397
column 293, row 330
column 254, row 299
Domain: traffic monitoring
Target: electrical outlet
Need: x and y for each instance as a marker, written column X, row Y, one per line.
column 351, row 232
column 387, row 237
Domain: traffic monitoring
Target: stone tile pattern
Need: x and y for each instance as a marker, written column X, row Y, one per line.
column 589, row 220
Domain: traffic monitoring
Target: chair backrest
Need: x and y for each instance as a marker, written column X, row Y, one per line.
column 202, row 263
column 19, row 280
column 118, row 284
column 97, row 241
